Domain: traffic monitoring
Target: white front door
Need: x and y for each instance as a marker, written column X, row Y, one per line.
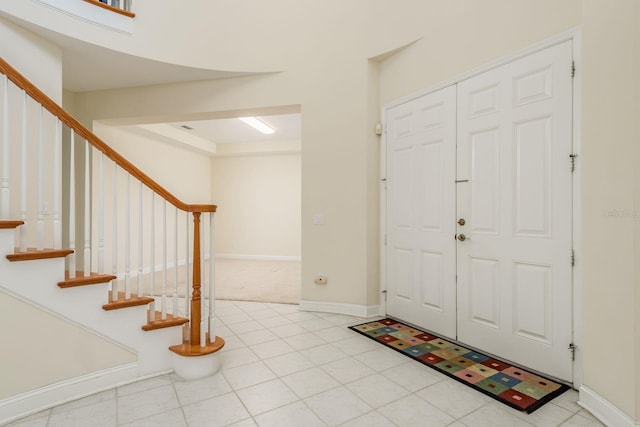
column 506, row 288
column 421, row 147
column 515, row 195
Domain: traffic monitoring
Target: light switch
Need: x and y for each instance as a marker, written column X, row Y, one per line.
column 318, row 219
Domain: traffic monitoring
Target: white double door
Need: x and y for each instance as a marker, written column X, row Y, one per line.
column 487, row 159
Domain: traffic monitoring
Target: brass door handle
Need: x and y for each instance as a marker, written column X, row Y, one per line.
column 461, row 222
column 462, row 237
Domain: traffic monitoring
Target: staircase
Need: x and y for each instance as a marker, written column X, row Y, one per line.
column 39, row 277
column 160, row 252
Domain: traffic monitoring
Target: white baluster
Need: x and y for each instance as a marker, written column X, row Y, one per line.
column 57, row 187
column 23, row 202
column 101, row 215
column 5, row 150
column 40, row 215
column 164, row 260
column 212, row 277
column 175, row 264
column 114, row 260
column 152, row 257
column 127, row 244
column 140, row 283
column 87, row 211
column 72, row 205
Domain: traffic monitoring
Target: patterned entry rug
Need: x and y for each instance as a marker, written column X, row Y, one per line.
column 504, row 382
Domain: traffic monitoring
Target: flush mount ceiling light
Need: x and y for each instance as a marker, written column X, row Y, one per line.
column 257, row 124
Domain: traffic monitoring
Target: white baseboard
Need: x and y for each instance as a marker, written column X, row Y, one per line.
column 259, row 257
column 46, row 397
column 341, row 308
column 604, row 410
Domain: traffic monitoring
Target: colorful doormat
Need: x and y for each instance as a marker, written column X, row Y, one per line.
column 504, row 382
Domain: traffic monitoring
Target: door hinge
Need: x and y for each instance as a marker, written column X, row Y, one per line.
column 385, row 294
column 573, row 68
column 385, row 241
column 573, row 258
column 573, row 161
column 572, row 348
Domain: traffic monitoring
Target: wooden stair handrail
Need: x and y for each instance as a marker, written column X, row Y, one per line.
column 51, row 106
column 111, row 8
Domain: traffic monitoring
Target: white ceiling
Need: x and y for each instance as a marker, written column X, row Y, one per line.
column 226, row 131
column 87, row 67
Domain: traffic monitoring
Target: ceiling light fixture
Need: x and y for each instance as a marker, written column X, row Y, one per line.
column 257, row 124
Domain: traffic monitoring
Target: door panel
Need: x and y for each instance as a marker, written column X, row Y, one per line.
column 485, row 292
column 421, row 256
column 485, row 190
column 514, row 272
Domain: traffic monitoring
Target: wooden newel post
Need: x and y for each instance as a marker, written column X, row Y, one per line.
column 197, row 280
column 198, row 342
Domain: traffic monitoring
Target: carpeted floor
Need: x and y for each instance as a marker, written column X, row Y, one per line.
column 502, row 381
column 263, row 281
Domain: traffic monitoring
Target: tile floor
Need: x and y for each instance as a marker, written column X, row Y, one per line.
column 284, row 367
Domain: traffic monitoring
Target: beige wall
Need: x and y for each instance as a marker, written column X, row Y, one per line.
column 334, row 180
column 327, row 73
column 259, row 204
column 466, row 34
column 20, row 47
column 636, row 155
column 184, row 173
column 609, row 245
column 50, row 349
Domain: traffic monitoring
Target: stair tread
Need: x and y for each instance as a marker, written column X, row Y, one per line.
column 158, row 323
column 33, row 253
column 188, row 350
column 121, row 302
column 82, row 280
column 10, row 224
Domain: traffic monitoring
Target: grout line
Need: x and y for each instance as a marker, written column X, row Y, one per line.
column 181, row 406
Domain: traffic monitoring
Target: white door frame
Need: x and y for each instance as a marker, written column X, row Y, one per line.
column 574, row 35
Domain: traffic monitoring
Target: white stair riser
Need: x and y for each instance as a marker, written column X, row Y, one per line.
column 6, row 241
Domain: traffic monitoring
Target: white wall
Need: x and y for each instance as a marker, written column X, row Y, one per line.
column 259, row 204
